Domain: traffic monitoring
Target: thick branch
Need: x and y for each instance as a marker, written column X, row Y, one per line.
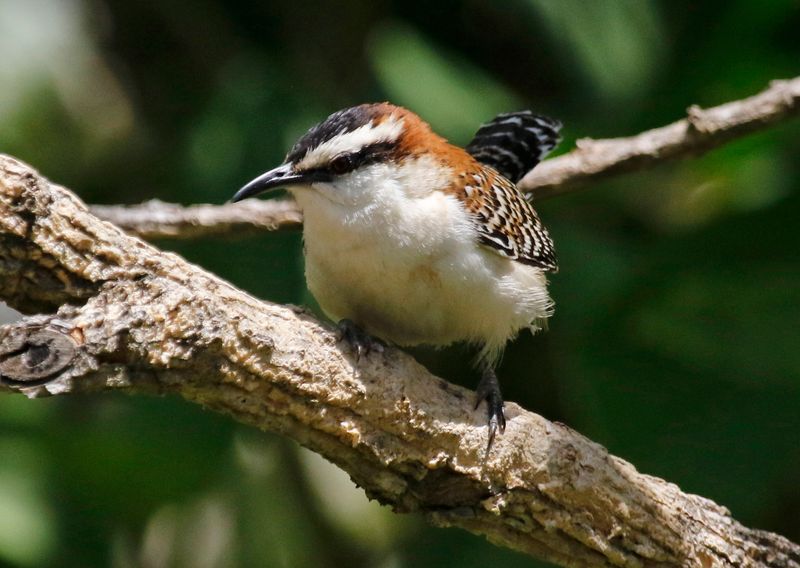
column 137, row 319
column 702, row 131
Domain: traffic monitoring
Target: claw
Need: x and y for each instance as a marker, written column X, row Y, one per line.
column 489, row 390
column 360, row 342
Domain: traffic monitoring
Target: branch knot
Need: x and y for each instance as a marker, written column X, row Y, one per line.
column 32, row 354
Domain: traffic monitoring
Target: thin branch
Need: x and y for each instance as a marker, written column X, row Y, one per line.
column 130, row 317
column 156, row 219
column 702, row 131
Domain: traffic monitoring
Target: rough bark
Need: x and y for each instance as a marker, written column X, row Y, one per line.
column 701, row 131
column 123, row 315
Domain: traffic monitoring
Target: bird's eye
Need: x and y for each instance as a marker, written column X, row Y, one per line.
column 342, row 164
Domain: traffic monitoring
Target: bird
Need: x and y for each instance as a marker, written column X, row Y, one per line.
column 411, row 240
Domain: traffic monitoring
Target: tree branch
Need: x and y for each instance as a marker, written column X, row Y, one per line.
column 155, row 219
column 133, row 318
column 702, row 131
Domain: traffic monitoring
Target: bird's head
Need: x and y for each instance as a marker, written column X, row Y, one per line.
column 344, row 156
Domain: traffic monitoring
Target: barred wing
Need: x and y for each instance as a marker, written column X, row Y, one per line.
column 507, row 222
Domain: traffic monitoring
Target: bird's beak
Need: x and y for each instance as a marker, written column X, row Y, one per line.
column 281, row 176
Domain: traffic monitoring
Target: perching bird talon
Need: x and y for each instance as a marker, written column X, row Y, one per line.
column 489, row 390
column 360, row 342
column 492, row 433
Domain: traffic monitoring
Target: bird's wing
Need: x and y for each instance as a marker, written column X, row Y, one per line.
column 506, row 222
column 513, row 143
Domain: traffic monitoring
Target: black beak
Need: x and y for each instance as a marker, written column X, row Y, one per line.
column 273, row 179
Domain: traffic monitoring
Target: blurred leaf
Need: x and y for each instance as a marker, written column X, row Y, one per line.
column 746, row 175
column 237, row 121
column 618, row 44
column 372, row 525
column 445, row 90
column 27, row 523
column 722, row 323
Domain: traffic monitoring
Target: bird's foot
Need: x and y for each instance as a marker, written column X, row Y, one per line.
column 489, row 390
column 360, row 342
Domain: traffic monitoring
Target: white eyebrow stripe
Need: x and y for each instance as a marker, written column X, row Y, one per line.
column 387, row 131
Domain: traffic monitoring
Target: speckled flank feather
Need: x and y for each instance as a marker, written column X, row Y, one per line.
column 504, row 219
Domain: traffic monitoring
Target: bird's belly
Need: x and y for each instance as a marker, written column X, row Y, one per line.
column 405, row 303
column 437, row 296
column 410, row 271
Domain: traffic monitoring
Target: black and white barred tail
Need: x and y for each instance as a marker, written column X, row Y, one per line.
column 513, row 143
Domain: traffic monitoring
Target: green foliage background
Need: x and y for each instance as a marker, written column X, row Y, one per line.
column 675, row 341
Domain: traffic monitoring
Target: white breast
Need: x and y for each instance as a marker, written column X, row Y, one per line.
column 405, row 264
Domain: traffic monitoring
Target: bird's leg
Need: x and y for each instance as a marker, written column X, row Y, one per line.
column 489, row 390
column 361, row 342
